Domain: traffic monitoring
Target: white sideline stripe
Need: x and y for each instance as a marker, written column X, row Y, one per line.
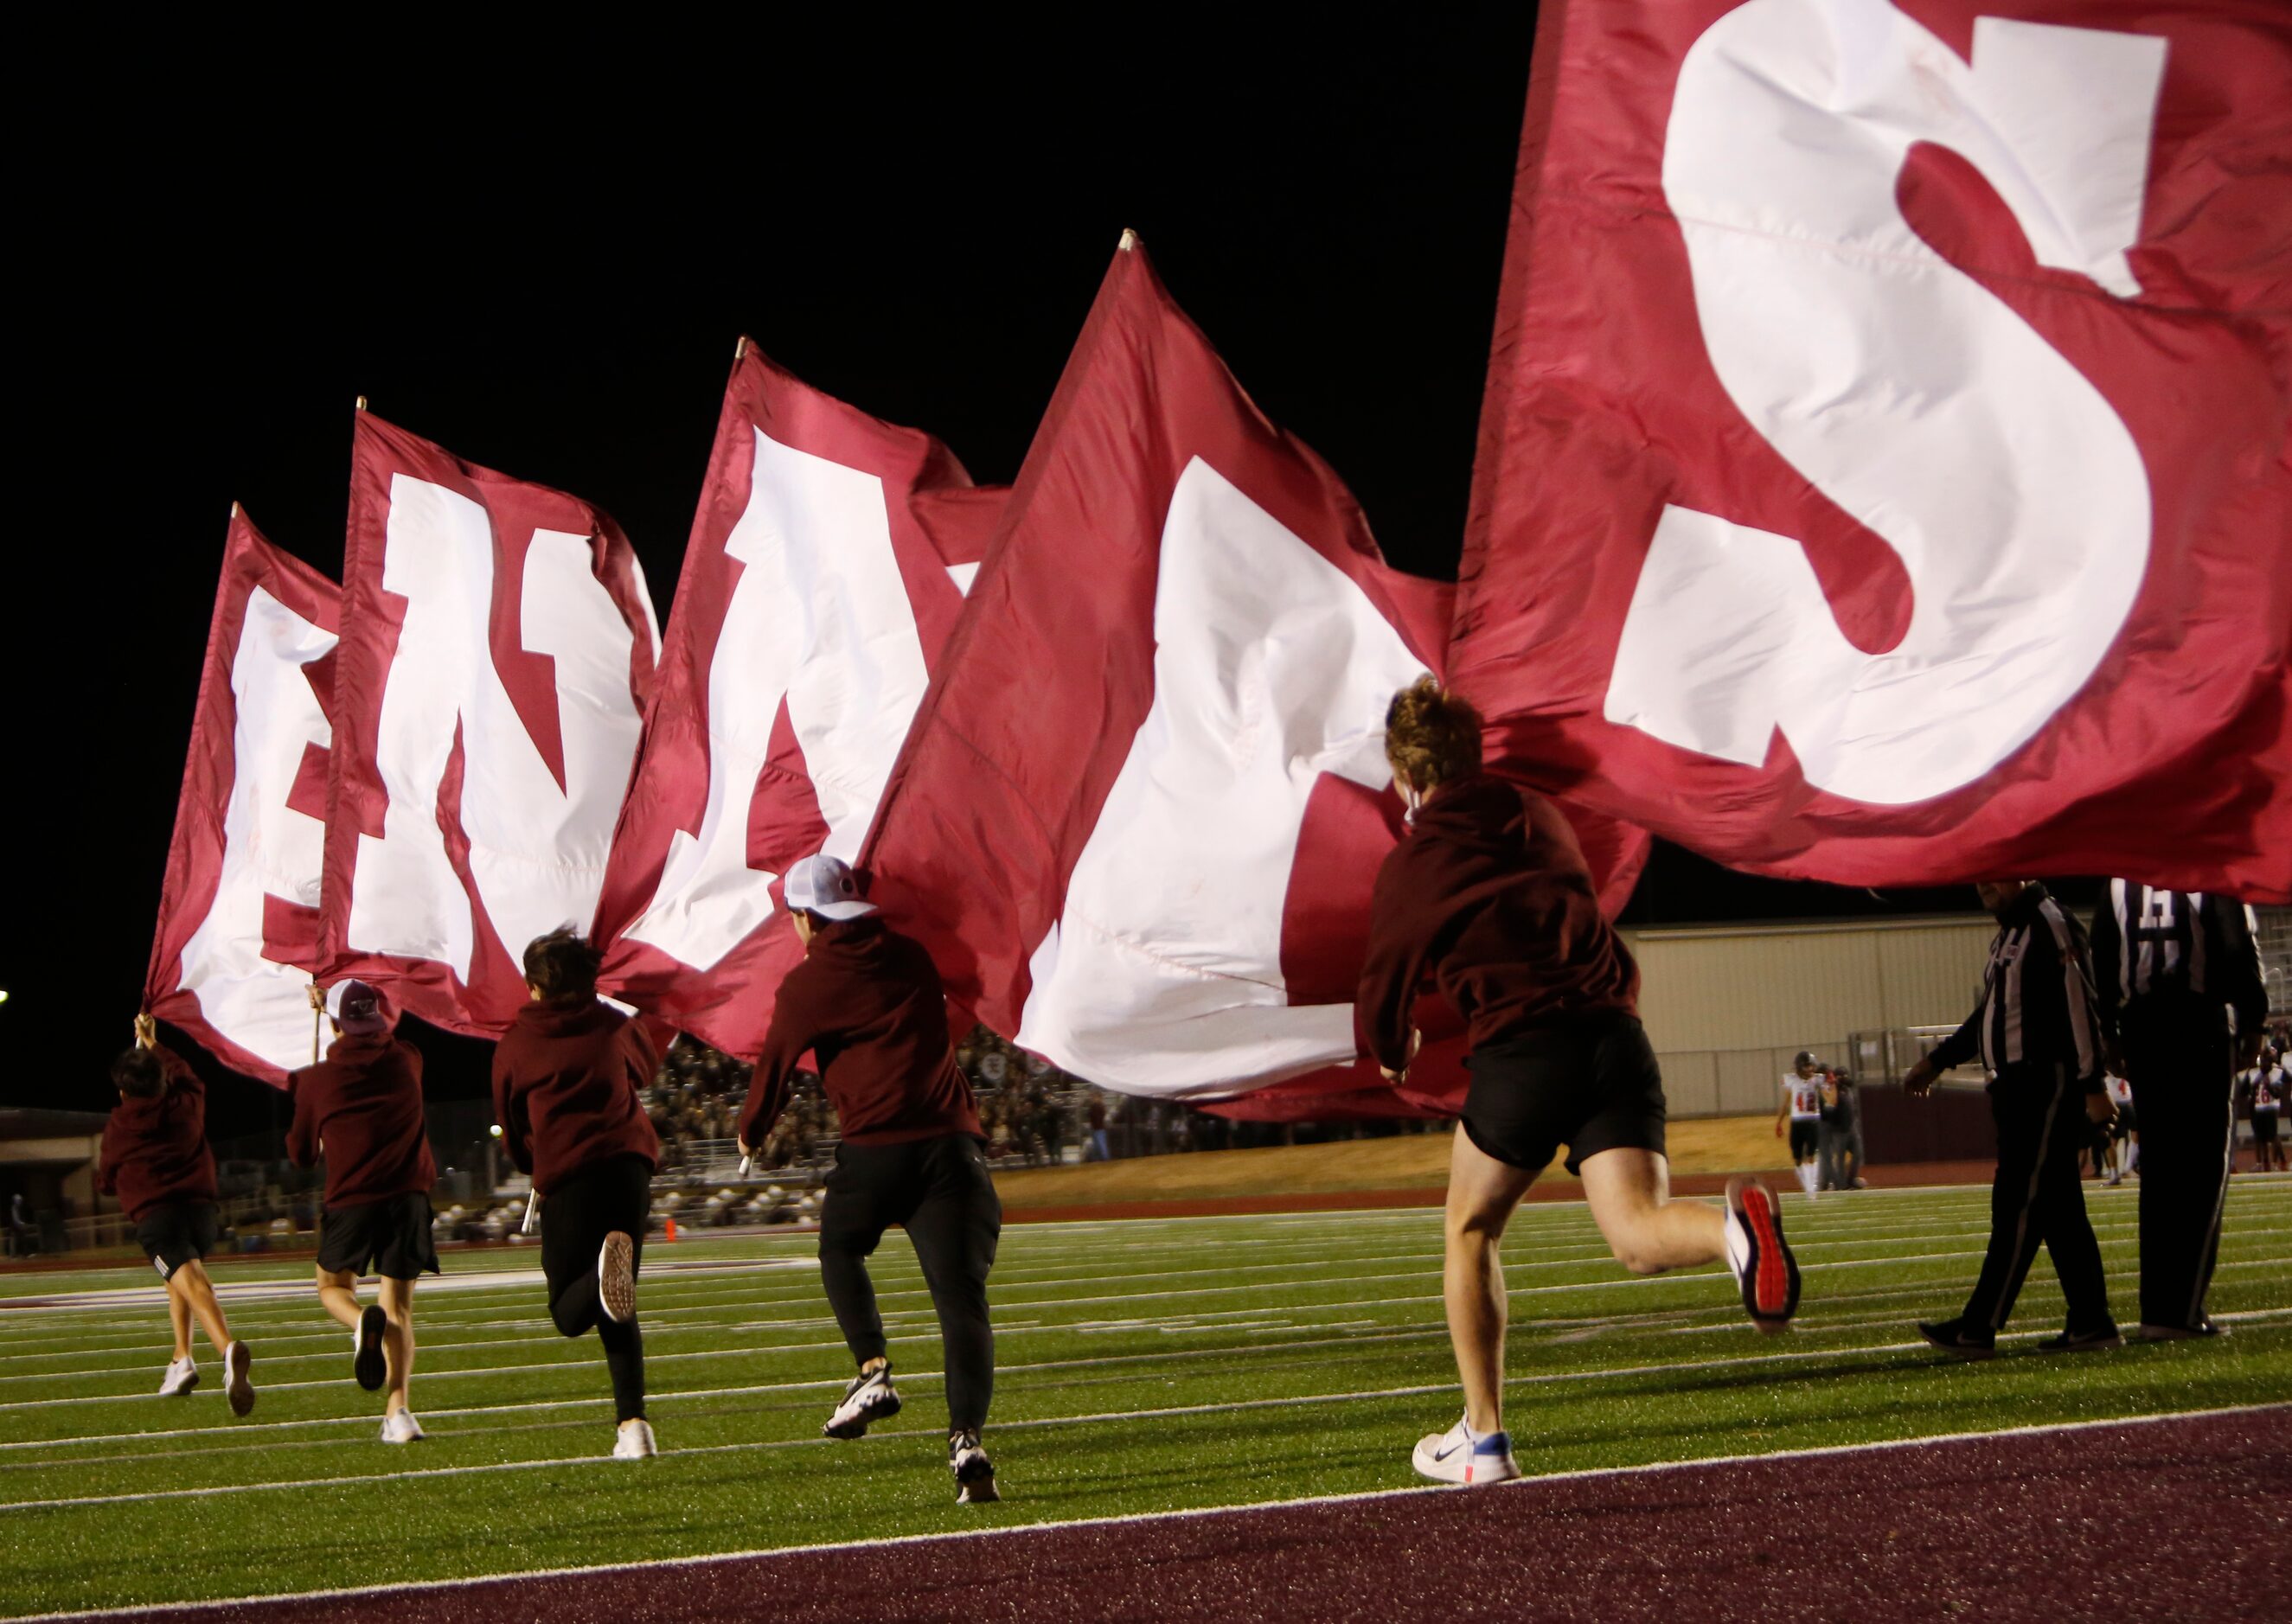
column 1544, row 1378
column 574, row 1362
column 1564, row 1332
column 1580, row 1474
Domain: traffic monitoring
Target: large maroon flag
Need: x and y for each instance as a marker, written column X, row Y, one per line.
column 497, row 650
column 826, row 569
column 1884, row 475
column 237, row 935
column 1139, row 815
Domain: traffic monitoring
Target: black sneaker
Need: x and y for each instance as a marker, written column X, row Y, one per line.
column 871, row 1397
column 1957, row 1337
column 2204, row 1327
column 974, row 1472
column 368, row 1364
column 2082, row 1341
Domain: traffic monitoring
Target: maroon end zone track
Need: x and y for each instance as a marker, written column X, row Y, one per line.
column 2177, row 1519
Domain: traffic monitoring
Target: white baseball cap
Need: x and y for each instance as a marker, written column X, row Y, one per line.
column 825, row 886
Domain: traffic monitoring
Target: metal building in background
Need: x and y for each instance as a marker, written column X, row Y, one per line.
column 1727, row 1007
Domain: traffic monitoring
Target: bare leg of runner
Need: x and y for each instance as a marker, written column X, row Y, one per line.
column 1630, row 1195
column 398, row 1342
column 1483, row 1193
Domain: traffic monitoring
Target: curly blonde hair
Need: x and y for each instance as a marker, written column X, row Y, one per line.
column 1431, row 736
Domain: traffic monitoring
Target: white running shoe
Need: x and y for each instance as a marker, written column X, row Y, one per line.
column 1765, row 1268
column 238, row 1386
column 974, row 1472
column 182, row 1375
column 868, row 1399
column 1458, row 1456
column 617, row 1277
column 400, row 1426
column 634, row 1440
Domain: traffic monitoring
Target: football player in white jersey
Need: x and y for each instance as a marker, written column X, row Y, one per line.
column 2123, row 1133
column 1801, row 1111
column 2263, row 1088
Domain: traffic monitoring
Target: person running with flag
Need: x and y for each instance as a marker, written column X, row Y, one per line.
column 868, row 1002
column 361, row 1109
column 568, row 1078
column 1488, row 896
column 156, row 1159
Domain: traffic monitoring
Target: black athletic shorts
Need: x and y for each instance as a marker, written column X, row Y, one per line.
column 1591, row 1085
column 2127, row 1124
column 1805, row 1137
column 2264, row 1127
column 389, row 1238
column 172, row 1234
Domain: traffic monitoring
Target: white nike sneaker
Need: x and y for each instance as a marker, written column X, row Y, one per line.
column 1458, row 1456
column 400, row 1426
column 634, row 1441
column 182, row 1375
column 616, row 1278
column 1766, row 1269
column 870, row 1398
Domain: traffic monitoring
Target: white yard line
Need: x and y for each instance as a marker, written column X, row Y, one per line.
column 573, row 1360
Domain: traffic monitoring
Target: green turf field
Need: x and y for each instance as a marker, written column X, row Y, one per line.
column 1145, row 1365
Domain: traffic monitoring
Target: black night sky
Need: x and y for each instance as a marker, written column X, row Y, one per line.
column 543, row 262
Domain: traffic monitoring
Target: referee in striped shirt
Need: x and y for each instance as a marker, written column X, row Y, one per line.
column 2039, row 1033
column 2171, row 965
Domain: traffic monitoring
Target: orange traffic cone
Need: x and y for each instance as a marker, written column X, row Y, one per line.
column 672, row 1229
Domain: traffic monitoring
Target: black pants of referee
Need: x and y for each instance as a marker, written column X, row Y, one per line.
column 2177, row 1059
column 576, row 1217
column 940, row 1190
column 2038, row 1198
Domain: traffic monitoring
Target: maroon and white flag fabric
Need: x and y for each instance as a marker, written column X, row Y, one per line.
column 238, row 935
column 1139, row 816
column 1884, row 471
column 497, row 651
column 826, row 569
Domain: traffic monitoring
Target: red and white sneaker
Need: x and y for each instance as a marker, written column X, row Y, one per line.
column 1759, row 1256
column 1460, row 1455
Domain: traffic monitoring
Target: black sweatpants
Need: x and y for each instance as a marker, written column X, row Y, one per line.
column 2038, row 1198
column 576, row 1217
column 940, row 1190
column 2177, row 1059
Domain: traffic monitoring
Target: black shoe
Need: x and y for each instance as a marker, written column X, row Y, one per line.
column 2204, row 1327
column 870, row 1398
column 368, row 1364
column 1957, row 1337
column 2082, row 1341
column 974, row 1472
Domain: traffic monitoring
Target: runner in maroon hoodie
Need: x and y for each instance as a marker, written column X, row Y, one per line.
column 1489, row 898
column 867, row 1002
column 156, row 1159
column 568, row 1077
column 362, row 1109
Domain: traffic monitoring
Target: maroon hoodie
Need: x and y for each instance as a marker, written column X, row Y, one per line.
column 1488, row 895
column 361, row 1108
column 567, row 1086
column 867, row 1002
column 155, row 1150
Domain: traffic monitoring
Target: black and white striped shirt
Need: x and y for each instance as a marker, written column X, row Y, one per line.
column 2038, row 1009
column 2152, row 944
